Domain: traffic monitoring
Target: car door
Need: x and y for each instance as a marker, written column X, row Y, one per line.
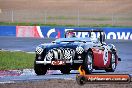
column 106, row 56
column 101, row 55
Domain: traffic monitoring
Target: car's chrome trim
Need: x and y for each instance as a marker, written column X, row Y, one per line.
column 49, row 62
column 43, row 62
column 78, row 61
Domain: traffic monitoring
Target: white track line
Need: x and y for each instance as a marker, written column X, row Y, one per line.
column 7, row 82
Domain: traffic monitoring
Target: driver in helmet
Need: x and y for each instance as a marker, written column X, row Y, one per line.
column 70, row 34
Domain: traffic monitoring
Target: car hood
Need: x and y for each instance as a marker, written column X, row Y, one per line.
column 61, row 45
column 67, row 43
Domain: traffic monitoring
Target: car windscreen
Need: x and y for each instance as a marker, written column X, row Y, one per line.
column 73, row 40
column 82, row 34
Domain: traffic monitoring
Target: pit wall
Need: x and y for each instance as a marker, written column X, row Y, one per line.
column 58, row 32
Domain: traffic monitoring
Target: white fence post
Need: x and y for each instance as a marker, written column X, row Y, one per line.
column 12, row 16
column 78, row 18
column 112, row 19
column 45, row 17
column 0, row 11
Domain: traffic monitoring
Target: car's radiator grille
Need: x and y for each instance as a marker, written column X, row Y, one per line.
column 60, row 53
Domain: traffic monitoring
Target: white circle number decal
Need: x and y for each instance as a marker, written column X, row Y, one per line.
column 105, row 56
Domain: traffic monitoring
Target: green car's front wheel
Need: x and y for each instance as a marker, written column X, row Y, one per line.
column 40, row 69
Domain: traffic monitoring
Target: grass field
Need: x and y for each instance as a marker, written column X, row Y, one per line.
column 16, row 60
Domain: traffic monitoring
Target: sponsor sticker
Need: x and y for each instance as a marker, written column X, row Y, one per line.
column 59, row 32
column 57, row 63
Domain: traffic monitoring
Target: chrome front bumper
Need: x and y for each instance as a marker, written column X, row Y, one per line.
column 67, row 62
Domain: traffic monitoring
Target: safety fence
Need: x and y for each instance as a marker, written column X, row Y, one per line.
column 76, row 17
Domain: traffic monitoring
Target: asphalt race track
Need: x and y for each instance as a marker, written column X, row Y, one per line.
column 124, row 48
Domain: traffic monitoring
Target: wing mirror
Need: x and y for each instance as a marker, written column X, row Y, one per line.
column 119, row 59
column 53, row 41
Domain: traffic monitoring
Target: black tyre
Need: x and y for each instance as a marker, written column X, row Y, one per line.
column 88, row 63
column 81, row 80
column 112, row 63
column 65, row 70
column 40, row 69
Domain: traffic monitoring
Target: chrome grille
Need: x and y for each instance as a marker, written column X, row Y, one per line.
column 60, row 53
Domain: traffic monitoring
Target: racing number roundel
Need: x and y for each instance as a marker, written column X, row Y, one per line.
column 105, row 56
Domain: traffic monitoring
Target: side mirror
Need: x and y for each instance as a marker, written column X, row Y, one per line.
column 53, row 41
column 119, row 59
column 102, row 37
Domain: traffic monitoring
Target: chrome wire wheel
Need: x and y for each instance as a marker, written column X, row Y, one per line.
column 112, row 63
column 90, row 62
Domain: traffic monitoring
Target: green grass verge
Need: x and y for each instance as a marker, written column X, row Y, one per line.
column 53, row 24
column 16, row 60
column 31, row 24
